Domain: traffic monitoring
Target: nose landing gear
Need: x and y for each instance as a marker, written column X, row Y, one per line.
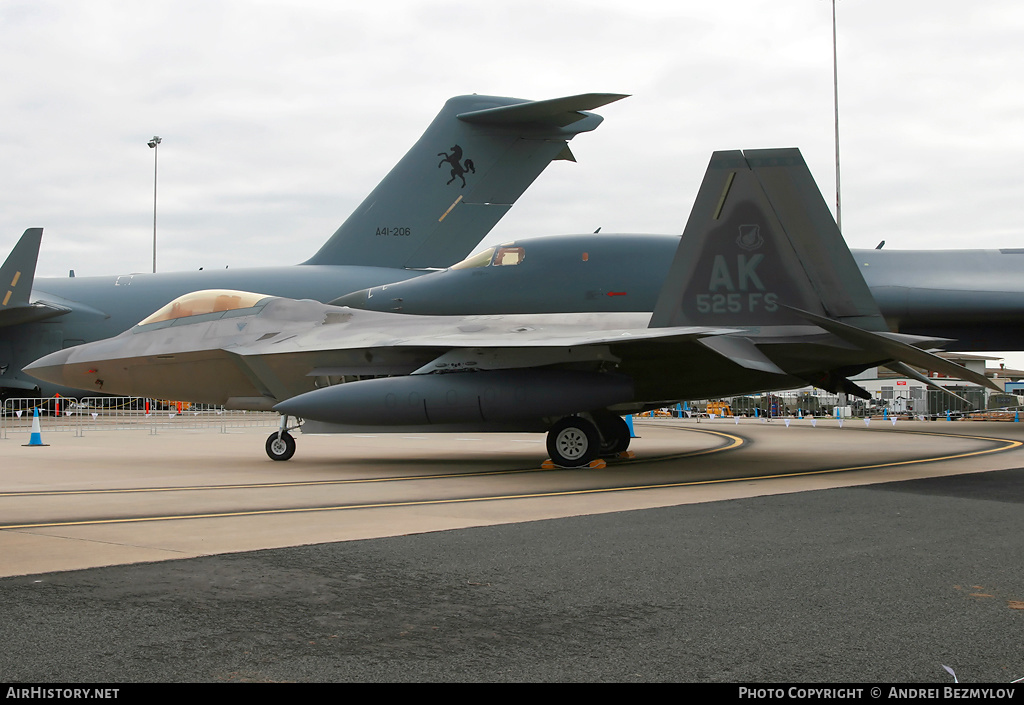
column 280, row 444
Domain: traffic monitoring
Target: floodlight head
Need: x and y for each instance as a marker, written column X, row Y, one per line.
column 154, row 142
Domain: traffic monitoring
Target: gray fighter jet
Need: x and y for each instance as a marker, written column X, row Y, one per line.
column 762, row 294
column 472, row 163
column 975, row 297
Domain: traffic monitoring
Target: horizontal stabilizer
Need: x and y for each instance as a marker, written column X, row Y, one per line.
column 13, row 383
column 557, row 111
column 29, row 313
column 895, row 350
column 908, row 371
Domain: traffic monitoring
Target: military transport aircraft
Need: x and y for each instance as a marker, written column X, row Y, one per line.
column 762, row 294
column 975, row 297
column 474, row 160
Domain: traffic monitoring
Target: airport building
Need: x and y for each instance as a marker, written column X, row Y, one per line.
column 891, row 394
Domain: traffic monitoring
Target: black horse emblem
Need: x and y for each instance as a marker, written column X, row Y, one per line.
column 458, row 169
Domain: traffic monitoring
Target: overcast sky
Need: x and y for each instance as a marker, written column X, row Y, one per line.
column 278, row 117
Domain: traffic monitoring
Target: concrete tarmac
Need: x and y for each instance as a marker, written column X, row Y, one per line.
column 699, row 567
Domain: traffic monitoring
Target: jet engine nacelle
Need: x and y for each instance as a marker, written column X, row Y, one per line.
column 464, row 397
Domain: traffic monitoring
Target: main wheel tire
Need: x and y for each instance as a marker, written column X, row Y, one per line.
column 282, row 448
column 573, row 442
column 614, row 433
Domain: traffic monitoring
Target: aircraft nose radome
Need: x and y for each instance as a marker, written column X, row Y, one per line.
column 50, row 368
column 288, row 406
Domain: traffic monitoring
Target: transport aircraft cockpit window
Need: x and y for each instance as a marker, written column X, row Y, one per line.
column 507, row 256
column 199, row 303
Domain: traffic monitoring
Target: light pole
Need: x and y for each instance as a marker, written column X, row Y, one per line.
column 835, row 92
column 154, row 145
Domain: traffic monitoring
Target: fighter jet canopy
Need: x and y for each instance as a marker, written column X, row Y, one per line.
column 209, row 301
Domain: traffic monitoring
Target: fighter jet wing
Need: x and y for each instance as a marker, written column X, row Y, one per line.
column 610, row 346
column 542, row 331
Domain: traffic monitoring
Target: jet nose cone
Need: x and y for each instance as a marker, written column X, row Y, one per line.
column 290, row 407
column 50, row 368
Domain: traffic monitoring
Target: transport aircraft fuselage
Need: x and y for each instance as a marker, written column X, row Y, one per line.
column 975, row 297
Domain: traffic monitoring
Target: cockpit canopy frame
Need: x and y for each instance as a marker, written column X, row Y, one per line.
column 209, row 304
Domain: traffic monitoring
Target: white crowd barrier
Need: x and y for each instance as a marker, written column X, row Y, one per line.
column 80, row 416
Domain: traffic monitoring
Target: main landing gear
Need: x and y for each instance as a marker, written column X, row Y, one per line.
column 280, row 444
column 576, row 441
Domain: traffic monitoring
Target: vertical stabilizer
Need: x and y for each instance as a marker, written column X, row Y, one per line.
column 476, row 158
column 759, row 240
column 16, row 277
column 18, row 272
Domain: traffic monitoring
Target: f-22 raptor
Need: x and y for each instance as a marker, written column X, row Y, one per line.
column 416, row 219
column 759, row 296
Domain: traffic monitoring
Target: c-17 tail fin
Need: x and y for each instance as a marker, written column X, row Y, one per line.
column 475, row 159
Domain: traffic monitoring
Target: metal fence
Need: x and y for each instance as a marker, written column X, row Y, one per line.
column 79, row 416
column 799, row 403
column 91, row 414
column 933, row 404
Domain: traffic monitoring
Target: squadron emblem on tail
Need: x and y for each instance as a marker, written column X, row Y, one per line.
column 750, row 237
column 458, row 169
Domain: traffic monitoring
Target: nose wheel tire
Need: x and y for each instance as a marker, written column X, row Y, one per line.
column 281, row 448
column 573, row 442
